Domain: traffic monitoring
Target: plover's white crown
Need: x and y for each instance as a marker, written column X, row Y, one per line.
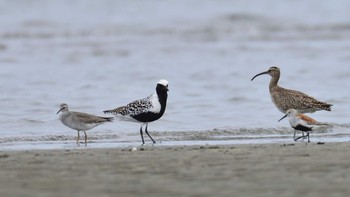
column 163, row 82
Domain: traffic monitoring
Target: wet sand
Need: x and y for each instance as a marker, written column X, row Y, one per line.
column 296, row 169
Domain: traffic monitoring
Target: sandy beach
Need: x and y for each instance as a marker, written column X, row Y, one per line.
column 296, row 169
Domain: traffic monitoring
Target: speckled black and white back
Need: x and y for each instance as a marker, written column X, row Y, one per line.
column 148, row 109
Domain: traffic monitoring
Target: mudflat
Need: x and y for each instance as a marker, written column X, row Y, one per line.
column 296, row 169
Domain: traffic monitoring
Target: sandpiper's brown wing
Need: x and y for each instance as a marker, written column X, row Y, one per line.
column 89, row 118
column 286, row 99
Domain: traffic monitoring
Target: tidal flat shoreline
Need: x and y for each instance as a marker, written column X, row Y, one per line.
column 296, row 169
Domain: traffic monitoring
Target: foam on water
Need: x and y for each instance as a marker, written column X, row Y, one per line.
column 98, row 56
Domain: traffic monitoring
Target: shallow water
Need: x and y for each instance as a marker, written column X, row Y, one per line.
column 97, row 56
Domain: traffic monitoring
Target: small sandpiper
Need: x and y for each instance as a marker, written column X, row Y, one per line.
column 285, row 99
column 301, row 123
column 80, row 121
column 145, row 110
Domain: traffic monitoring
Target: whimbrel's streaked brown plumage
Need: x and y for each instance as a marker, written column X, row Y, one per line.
column 80, row 121
column 285, row 99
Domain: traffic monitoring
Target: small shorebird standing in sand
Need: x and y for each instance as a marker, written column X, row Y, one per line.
column 301, row 123
column 145, row 110
column 285, row 99
column 80, row 121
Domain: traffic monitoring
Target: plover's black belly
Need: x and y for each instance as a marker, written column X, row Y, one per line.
column 302, row 128
column 147, row 117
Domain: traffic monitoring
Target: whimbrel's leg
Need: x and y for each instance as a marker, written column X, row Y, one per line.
column 78, row 138
column 149, row 134
column 141, row 133
column 308, row 137
column 85, row 137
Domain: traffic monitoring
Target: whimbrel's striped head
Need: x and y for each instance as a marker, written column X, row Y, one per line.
column 273, row 71
column 63, row 108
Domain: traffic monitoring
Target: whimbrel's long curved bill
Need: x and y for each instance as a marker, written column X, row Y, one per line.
column 263, row 73
column 60, row 110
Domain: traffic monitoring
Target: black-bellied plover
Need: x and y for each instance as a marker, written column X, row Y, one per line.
column 285, row 99
column 80, row 121
column 301, row 123
column 145, row 110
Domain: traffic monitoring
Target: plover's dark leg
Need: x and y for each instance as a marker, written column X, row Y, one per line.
column 141, row 133
column 149, row 134
column 295, row 131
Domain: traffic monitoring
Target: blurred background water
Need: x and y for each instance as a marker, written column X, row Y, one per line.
column 97, row 55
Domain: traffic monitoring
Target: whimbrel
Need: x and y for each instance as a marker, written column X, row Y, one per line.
column 80, row 121
column 145, row 110
column 301, row 123
column 285, row 99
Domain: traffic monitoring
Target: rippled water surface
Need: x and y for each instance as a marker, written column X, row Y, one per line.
column 100, row 55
